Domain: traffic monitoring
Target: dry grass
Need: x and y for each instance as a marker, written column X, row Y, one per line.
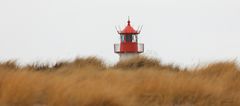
column 138, row 82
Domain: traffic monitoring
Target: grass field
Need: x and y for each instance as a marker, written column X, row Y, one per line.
column 137, row 82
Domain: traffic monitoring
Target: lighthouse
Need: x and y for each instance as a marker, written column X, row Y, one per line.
column 128, row 46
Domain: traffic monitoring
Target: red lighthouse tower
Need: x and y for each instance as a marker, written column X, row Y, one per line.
column 129, row 46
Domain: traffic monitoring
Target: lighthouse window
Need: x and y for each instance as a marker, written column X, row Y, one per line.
column 129, row 38
column 122, row 38
column 134, row 38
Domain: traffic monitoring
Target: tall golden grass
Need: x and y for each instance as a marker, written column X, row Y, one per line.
column 140, row 81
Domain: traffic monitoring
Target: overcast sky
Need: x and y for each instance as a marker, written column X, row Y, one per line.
column 184, row 32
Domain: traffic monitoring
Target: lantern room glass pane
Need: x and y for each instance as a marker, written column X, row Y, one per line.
column 128, row 38
column 122, row 38
column 134, row 38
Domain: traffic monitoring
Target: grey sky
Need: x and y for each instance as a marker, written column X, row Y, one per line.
column 184, row 32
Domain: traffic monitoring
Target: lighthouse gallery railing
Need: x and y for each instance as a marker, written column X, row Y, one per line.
column 140, row 48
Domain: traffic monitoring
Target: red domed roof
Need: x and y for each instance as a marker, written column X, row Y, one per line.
column 128, row 30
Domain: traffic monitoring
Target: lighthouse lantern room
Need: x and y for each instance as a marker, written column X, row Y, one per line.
column 129, row 46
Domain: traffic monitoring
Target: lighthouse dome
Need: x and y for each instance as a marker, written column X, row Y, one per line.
column 128, row 30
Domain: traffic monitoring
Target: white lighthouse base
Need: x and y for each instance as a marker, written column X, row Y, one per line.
column 126, row 56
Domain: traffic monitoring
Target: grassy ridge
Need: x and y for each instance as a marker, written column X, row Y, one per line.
column 137, row 82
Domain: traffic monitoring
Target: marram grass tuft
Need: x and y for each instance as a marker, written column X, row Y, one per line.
column 141, row 81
